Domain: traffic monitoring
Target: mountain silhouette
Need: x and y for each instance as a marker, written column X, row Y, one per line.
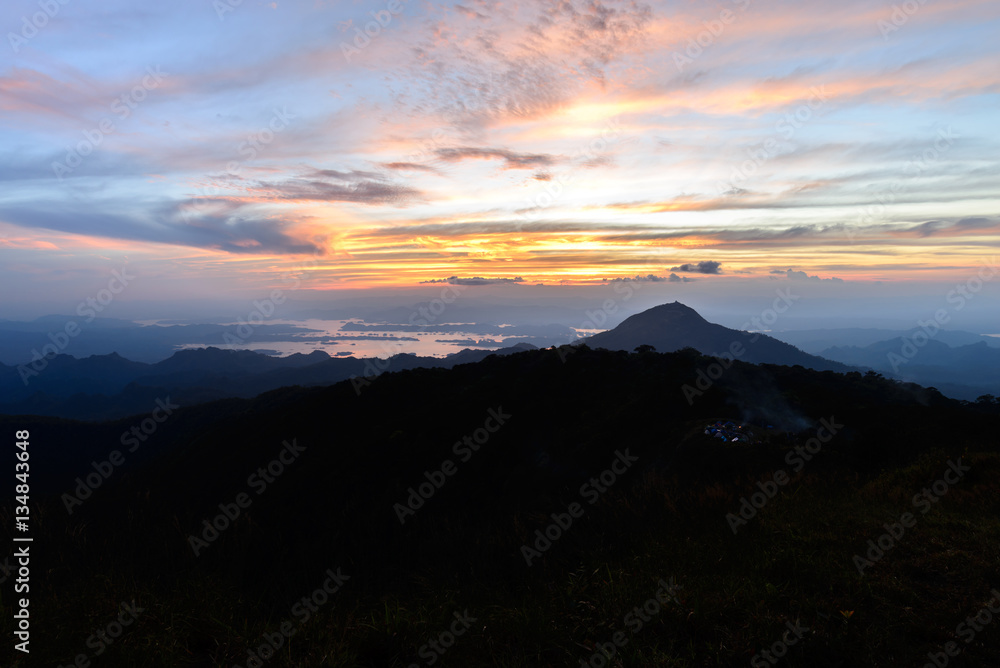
column 385, row 488
column 672, row 327
column 963, row 372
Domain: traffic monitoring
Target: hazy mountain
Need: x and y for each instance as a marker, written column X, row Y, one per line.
column 963, row 372
column 21, row 342
column 876, row 355
column 816, row 341
column 671, row 327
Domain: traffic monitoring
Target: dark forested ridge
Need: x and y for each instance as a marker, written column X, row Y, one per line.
column 671, row 327
column 505, row 451
column 102, row 387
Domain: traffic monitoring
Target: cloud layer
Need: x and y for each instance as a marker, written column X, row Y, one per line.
column 559, row 142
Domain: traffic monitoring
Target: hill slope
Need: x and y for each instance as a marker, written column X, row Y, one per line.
column 105, row 387
column 545, row 427
column 672, row 327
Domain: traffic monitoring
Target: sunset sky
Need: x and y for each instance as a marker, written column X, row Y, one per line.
column 215, row 147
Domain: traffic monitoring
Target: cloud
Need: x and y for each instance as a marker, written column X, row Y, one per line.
column 410, row 166
column 604, row 160
column 476, row 228
column 526, row 86
column 476, row 280
column 470, row 13
column 794, row 275
column 705, row 267
column 483, row 64
column 329, row 185
column 213, row 224
column 352, row 175
column 511, row 159
column 651, row 278
column 952, row 228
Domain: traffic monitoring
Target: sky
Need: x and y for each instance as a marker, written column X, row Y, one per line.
column 221, row 149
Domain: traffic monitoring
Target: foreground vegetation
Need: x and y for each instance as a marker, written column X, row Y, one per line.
column 667, row 519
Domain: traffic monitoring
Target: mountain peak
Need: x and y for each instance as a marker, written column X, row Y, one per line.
column 674, row 318
column 673, row 310
column 674, row 326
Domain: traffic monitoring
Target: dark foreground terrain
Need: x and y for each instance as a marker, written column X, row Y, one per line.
column 548, row 508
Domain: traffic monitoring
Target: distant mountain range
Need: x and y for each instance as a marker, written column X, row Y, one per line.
column 672, row 327
column 103, row 387
column 963, row 372
column 816, row 341
column 155, row 343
